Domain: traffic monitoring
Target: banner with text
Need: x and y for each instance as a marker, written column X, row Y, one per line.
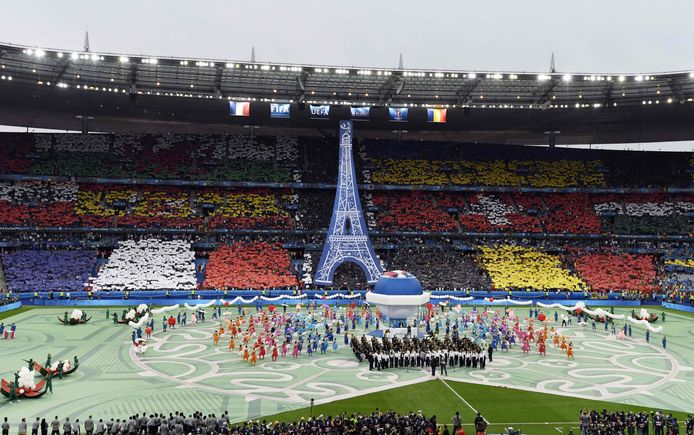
column 319, row 112
column 360, row 113
column 279, row 110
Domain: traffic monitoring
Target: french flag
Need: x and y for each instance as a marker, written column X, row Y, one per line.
column 239, row 108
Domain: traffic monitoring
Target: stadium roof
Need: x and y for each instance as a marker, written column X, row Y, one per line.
column 48, row 88
column 255, row 81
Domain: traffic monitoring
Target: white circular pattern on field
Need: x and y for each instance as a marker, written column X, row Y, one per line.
column 557, row 363
column 490, row 375
column 342, row 364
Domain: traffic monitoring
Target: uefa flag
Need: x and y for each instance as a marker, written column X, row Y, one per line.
column 436, row 115
column 239, row 108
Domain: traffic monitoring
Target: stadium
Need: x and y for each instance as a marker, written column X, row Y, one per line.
column 201, row 245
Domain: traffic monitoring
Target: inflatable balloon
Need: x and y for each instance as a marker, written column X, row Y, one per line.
column 491, row 299
column 541, row 317
column 579, row 310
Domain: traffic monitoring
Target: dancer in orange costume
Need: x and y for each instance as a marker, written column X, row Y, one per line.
column 254, row 358
column 261, row 352
column 556, row 340
column 245, row 353
column 563, row 343
column 215, row 337
column 221, row 331
column 570, row 351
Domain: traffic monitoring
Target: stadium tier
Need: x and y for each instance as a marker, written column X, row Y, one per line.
column 286, row 158
column 466, row 226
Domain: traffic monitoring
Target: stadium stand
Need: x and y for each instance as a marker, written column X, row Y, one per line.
column 148, row 264
column 56, row 270
column 523, row 268
column 250, row 209
column 413, row 211
column 249, row 264
column 110, row 205
column 440, row 267
column 678, row 268
column 607, row 271
column 209, row 157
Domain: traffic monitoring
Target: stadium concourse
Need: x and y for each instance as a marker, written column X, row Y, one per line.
column 103, row 222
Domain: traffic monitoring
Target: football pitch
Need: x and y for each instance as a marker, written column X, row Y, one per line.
column 183, row 370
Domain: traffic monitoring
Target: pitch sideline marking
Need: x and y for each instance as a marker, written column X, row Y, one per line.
column 461, row 398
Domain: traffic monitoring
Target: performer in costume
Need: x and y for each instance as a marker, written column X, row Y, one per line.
column 526, row 346
column 232, row 344
column 215, row 337
column 570, row 351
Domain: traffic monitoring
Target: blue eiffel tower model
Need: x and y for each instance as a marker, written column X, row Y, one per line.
column 348, row 237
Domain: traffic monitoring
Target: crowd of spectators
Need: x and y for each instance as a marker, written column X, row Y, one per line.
column 249, row 264
column 440, row 267
column 524, row 268
column 178, row 423
column 617, row 271
column 623, row 422
column 590, row 422
column 47, row 270
column 197, row 157
column 148, row 264
column 57, row 262
column 305, row 213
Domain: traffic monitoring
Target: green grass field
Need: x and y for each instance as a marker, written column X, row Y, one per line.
column 533, row 413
